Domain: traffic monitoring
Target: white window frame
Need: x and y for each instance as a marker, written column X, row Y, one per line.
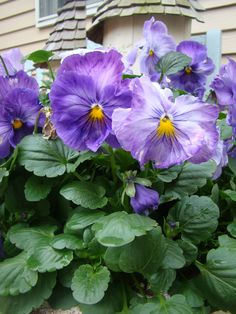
column 49, row 20
column 43, row 21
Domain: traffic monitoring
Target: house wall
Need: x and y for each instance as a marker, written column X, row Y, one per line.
column 17, row 26
column 219, row 14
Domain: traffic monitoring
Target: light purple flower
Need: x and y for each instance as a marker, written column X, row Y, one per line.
column 145, row 200
column 87, row 90
column 220, row 157
column 193, row 78
column 13, row 60
column 157, row 43
column 17, row 117
column 224, row 84
column 166, row 131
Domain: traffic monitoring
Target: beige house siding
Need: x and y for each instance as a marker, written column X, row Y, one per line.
column 219, row 14
column 18, row 26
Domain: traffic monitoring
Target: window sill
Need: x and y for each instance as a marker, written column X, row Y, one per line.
column 46, row 21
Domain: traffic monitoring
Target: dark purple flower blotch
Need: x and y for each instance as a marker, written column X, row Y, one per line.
column 166, row 131
column 145, row 200
column 193, row 78
column 84, row 96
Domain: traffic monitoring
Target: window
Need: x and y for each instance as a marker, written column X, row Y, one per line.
column 46, row 11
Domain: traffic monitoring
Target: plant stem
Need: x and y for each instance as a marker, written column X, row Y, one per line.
column 113, row 164
column 51, row 71
column 37, row 122
column 4, row 65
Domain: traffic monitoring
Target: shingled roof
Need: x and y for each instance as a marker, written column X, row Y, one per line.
column 70, row 28
column 114, row 8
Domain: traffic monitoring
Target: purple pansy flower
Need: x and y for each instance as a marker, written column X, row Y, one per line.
column 166, row 131
column 224, row 86
column 13, row 61
column 193, row 78
column 84, row 95
column 17, row 117
column 157, row 43
column 145, row 200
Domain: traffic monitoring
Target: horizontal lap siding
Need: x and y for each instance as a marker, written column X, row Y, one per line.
column 220, row 14
column 17, row 26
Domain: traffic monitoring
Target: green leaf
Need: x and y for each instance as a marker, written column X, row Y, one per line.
column 66, row 274
column 232, row 165
column 225, row 129
column 162, row 280
column 67, row 241
column 174, row 305
column 83, row 218
column 39, row 56
column 86, row 194
column 3, row 173
column 25, row 303
column 172, row 63
column 231, row 228
column 89, row 284
column 120, row 228
column 173, row 257
column 218, row 278
column 111, row 303
column 168, row 175
column 15, row 275
column 192, row 177
column 46, row 258
column 50, row 158
column 146, row 260
column 37, row 189
column 30, row 239
column 62, row 298
column 38, row 242
column 197, row 217
column 230, row 194
column 227, row 242
column 191, row 293
column 189, row 250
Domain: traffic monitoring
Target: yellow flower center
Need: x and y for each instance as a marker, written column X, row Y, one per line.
column 166, row 128
column 151, row 53
column 96, row 113
column 17, row 124
column 188, row 70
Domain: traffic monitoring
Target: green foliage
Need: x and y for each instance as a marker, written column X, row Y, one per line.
column 40, row 56
column 120, row 228
column 25, row 303
column 90, row 283
column 86, row 194
column 16, row 276
column 46, row 158
column 37, row 189
column 197, row 217
column 218, row 278
column 172, row 63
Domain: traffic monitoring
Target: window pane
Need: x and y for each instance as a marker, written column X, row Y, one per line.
column 47, row 7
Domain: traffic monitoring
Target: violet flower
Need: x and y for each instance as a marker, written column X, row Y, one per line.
column 166, row 131
column 145, row 200
column 13, row 62
column 157, row 43
column 193, row 78
column 84, row 95
column 17, row 117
